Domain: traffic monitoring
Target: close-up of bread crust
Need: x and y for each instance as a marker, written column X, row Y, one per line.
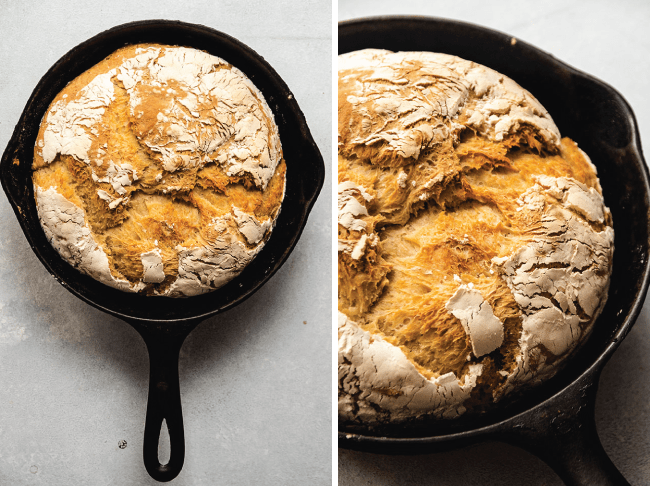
column 475, row 248
column 159, row 170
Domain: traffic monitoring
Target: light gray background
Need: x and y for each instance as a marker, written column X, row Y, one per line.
column 610, row 40
column 256, row 381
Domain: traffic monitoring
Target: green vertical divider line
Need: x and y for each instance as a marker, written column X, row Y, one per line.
column 335, row 49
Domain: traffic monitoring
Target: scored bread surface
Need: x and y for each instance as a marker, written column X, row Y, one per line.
column 475, row 248
column 159, row 170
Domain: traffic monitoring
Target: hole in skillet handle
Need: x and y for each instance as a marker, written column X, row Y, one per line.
column 164, row 444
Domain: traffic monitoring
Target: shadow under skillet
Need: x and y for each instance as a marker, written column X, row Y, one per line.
column 623, row 403
column 485, row 464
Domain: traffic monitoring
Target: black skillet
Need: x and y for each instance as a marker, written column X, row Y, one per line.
column 555, row 421
column 163, row 322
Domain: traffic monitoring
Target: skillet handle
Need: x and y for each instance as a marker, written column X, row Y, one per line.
column 164, row 403
column 563, row 434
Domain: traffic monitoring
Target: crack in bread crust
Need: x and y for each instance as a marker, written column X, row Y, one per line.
column 455, row 188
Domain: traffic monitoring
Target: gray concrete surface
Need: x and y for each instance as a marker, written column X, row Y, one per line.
column 610, row 40
column 256, row 381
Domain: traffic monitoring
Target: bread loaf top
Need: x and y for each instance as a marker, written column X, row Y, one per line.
column 475, row 248
column 159, row 170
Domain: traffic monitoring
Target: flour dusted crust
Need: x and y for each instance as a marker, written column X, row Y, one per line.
column 475, row 249
column 159, row 170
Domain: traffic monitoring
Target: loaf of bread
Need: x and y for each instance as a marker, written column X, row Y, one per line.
column 159, row 170
column 475, row 249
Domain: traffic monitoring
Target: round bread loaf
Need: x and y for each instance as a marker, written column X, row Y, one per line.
column 159, row 170
column 475, row 249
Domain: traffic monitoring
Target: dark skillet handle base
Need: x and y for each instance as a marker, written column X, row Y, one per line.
column 563, row 434
column 164, row 403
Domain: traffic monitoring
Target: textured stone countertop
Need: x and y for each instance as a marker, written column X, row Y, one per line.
column 609, row 40
column 255, row 381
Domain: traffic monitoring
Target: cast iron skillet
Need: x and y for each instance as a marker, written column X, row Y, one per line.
column 164, row 322
column 555, row 421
